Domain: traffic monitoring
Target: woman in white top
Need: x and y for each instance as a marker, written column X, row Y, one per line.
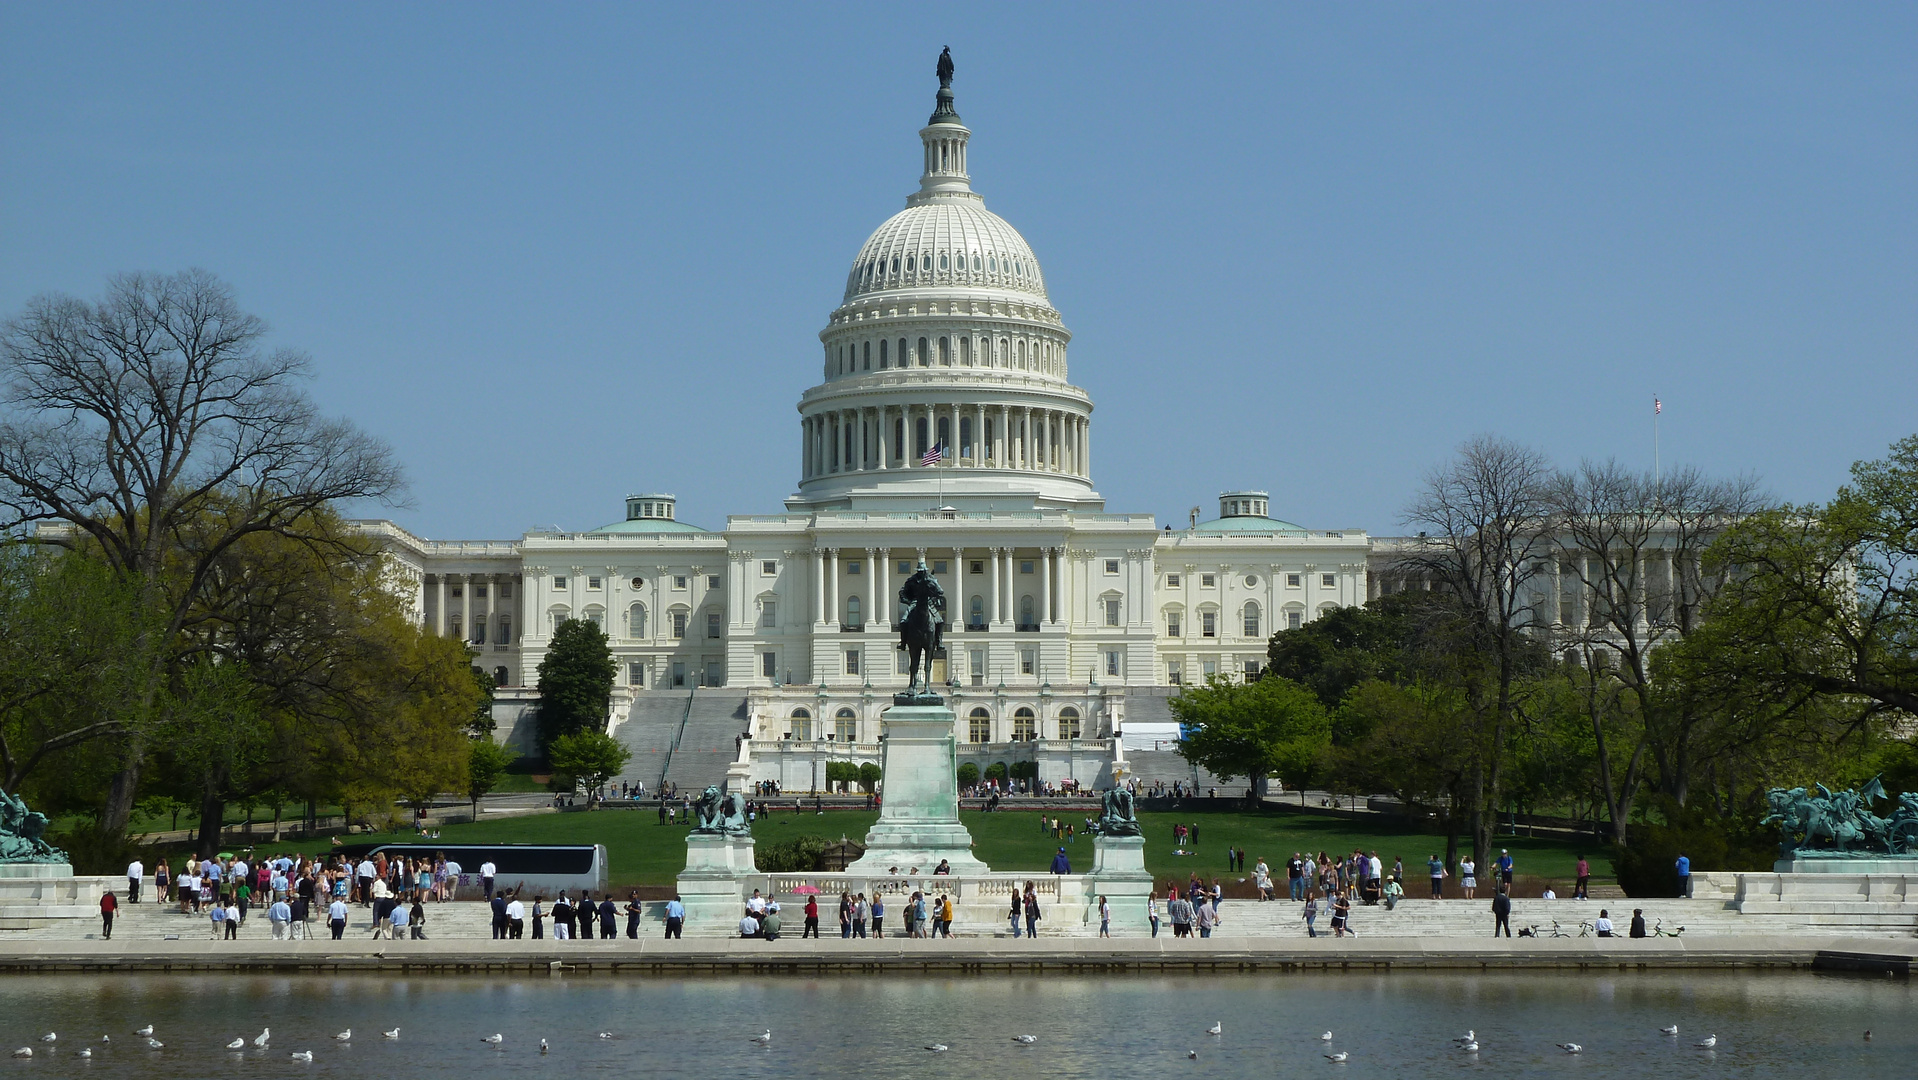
column 1467, row 876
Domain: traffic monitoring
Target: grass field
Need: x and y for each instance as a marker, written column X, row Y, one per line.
column 643, row 852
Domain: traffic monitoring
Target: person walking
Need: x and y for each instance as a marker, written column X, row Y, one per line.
column 1105, row 918
column 1505, row 868
column 398, row 920
column 279, row 915
column 1341, row 913
column 499, row 916
column 1502, row 912
column 1581, row 889
column 1311, row 913
column 487, row 872
column 811, row 929
column 1684, row 868
column 1061, row 864
column 1203, row 918
column 135, row 874
column 108, row 905
column 675, row 916
column 336, row 917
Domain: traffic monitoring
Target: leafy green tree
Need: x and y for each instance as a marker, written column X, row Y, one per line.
column 486, row 763
column 1254, row 730
column 997, row 771
column 575, row 682
column 482, row 723
column 1025, row 770
column 1346, row 646
column 869, row 775
column 1413, row 742
column 968, row 774
column 590, row 757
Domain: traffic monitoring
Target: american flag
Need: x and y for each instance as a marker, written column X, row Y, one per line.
column 933, row 455
column 1657, row 407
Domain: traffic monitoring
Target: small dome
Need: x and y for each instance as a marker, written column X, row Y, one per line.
column 648, row 526
column 1247, row 525
column 956, row 244
column 650, row 514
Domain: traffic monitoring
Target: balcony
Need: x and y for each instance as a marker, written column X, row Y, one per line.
column 975, row 628
column 852, row 628
column 1026, row 627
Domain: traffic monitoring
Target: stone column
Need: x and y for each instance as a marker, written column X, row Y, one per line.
column 885, row 435
column 819, row 585
column 958, row 589
column 492, row 625
column 832, row 587
column 466, row 608
column 995, row 585
column 439, row 605
column 884, row 605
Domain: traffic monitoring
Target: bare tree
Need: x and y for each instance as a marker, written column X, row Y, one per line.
column 1485, row 543
column 156, row 430
column 1629, row 553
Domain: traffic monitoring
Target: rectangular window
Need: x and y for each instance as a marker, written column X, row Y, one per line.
column 1172, row 625
column 1208, row 624
column 459, row 591
column 453, row 626
column 978, row 667
column 905, row 568
column 1025, row 566
column 978, row 567
column 559, row 582
column 1112, row 612
column 1293, row 619
column 679, row 624
column 505, row 630
column 712, row 624
column 1174, row 672
column 979, row 729
column 479, row 591
column 592, row 583
column 1252, row 669
column 636, row 674
column 852, row 661
column 768, row 568
column 939, row 566
column 679, row 581
column 768, row 665
column 712, row 581
column 1209, row 668
column 1291, row 581
column 1112, row 662
column 679, row 676
column 1172, row 581
column 1328, row 580
column 902, row 663
column 1205, row 581
column 1112, row 566
column 1025, row 661
column 505, row 591
column 852, row 568
column 769, row 614
column 479, row 630
column 715, row 673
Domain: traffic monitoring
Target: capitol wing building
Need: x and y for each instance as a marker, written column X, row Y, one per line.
column 944, row 427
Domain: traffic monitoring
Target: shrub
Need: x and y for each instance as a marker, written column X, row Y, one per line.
column 1647, row 868
column 799, row 855
column 996, row 771
column 1025, row 770
column 968, row 774
column 869, row 775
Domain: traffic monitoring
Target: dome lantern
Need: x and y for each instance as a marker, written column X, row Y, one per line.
column 945, row 138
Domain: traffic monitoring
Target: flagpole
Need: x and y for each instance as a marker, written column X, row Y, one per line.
column 1658, row 475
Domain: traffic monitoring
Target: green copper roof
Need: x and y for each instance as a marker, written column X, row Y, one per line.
column 648, row 526
column 1247, row 524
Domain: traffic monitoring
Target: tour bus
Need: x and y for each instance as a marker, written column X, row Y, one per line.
column 531, row 870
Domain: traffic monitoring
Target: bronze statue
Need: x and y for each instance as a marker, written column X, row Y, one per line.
column 721, row 815
column 21, row 830
column 945, row 68
column 924, row 610
column 1842, row 822
column 1115, row 814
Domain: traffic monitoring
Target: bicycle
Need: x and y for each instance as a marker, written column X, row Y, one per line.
column 1658, row 930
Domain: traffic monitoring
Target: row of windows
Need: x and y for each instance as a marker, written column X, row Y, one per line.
column 1249, row 669
column 1018, row 354
column 1025, row 725
column 878, row 270
column 680, row 581
column 1210, row 581
column 479, row 591
column 502, row 631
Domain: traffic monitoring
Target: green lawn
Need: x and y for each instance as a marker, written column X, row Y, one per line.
column 643, row 852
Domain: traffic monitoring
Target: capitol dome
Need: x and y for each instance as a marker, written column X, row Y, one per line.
column 945, row 364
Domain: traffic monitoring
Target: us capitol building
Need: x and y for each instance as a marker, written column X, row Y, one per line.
column 1067, row 624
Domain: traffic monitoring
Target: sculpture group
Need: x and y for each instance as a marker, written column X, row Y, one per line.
column 721, row 815
column 21, row 830
column 1843, row 821
column 1115, row 814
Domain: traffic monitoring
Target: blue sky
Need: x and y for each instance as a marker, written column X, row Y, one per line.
column 556, row 253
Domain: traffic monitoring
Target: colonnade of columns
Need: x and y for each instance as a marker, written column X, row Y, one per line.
column 884, row 437
column 829, row 575
column 440, row 624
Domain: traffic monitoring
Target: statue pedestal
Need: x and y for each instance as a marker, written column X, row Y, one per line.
column 710, row 885
column 1851, row 862
column 919, row 813
column 41, row 894
column 1119, row 874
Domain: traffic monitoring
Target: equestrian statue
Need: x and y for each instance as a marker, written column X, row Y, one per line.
column 922, row 614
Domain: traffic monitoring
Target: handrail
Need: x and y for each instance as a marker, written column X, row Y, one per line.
column 677, row 735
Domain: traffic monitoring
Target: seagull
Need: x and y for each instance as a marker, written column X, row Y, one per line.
column 1867, row 1034
column 303, row 1055
column 938, row 1048
column 1327, row 1037
column 23, row 1052
column 393, row 1034
column 763, row 1040
column 345, row 1036
column 1469, row 1036
column 1470, row 1047
column 1570, row 1048
column 260, row 1039
column 85, row 1051
column 51, row 1036
column 606, row 1035
column 1707, row 1042
column 1338, row 1058
column 237, row 1044
column 106, row 1038
column 145, row 1032
column 1030, row 1039
column 494, row 1038
column 542, row 1046
column 1669, row 1030
column 1193, row 1054
column 153, row 1043
column 1217, row 1028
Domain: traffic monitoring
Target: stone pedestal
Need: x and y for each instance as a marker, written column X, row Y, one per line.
column 710, row 885
column 919, row 813
column 1848, row 863
column 1118, row 874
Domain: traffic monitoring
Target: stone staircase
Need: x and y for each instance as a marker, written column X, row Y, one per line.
column 648, row 731
column 706, row 747
column 29, row 903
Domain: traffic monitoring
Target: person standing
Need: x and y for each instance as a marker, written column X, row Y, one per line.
column 1152, row 912
column 1061, row 864
column 562, row 919
column 1436, row 867
column 1203, row 918
column 1018, row 911
column 539, row 919
column 1311, row 913
column 499, row 916
column 860, row 912
column 398, row 920
column 336, row 917
column 633, row 911
column 515, row 919
column 608, row 917
column 1468, row 877
column 487, row 872
column 1032, row 911
column 1502, row 912
column 675, row 916
column 135, row 874
column 1581, row 888
column 811, row 927
column 279, row 915
column 879, row 914
column 1505, row 868
column 300, row 908
column 1105, row 918
column 1684, row 868
column 108, row 905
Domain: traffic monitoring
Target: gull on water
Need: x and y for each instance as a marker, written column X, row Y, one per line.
column 153, row 1043
column 393, row 1034
column 763, row 1039
column 1338, row 1057
column 1470, row 1047
column 237, row 1044
column 1469, row 1036
column 1193, row 1054
column 542, row 1046
column 85, row 1051
column 260, row 1039
column 145, row 1031
column 24, row 1052
column 345, row 1036
column 1570, row 1048
column 606, row 1035
column 938, row 1048
column 303, row 1055
column 51, row 1036
column 1707, row 1042
column 1669, row 1030
column 1217, row 1028
column 1030, row 1039
column 106, row 1038
column 495, row 1038
column 1327, row 1037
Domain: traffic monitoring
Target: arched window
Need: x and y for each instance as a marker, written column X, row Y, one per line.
column 868, row 355
column 1069, row 723
column 945, row 352
column 979, row 726
column 965, row 351
column 977, row 619
column 895, row 264
column 1252, row 619
column 924, row 353
column 904, row 359
column 636, row 621
column 801, row 725
column 975, row 263
column 1025, row 726
column 501, row 676
column 852, row 612
column 559, row 617
column 943, row 261
column 882, row 354
column 1025, row 611
column 1021, row 351
column 845, row 725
